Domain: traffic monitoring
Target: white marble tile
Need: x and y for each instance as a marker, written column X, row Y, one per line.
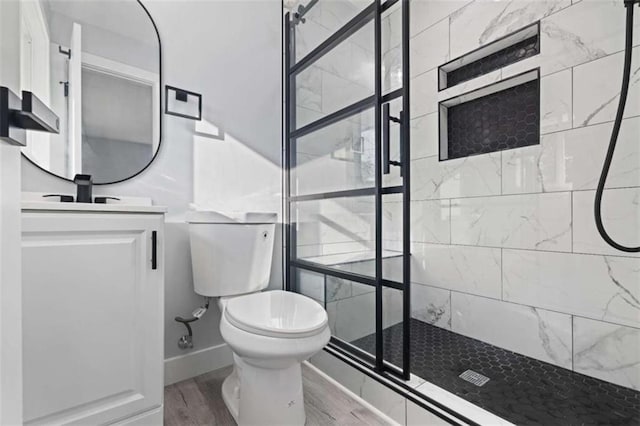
column 334, row 221
column 338, row 92
column 392, row 307
column 607, row 351
column 521, row 171
column 425, row 13
column 430, row 48
column 596, row 87
column 384, row 399
column 456, row 403
column 424, row 136
column 579, row 34
column 335, row 14
column 392, row 224
column 621, row 218
column 339, row 62
column 309, row 36
column 391, row 70
column 423, row 91
column 572, row 160
column 474, row 270
column 431, row 305
column 598, row 287
column 528, row 221
column 311, row 284
column 352, row 318
column 484, row 21
column 313, row 174
column 391, row 28
column 555, row 102
column 547, row 335
column 337, row 289
column 463, row 177
column 418, row 416
column 430, row 221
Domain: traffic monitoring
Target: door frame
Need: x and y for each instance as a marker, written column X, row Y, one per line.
column 373, row 12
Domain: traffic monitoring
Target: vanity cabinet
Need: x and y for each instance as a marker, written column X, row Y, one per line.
column 93, row 307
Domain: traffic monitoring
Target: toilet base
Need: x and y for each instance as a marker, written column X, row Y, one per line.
column 264, row 396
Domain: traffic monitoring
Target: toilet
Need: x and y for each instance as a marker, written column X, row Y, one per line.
column 270, row 332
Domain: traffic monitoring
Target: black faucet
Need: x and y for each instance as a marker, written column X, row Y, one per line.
column 85, row 185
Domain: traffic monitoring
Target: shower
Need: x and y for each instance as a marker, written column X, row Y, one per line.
column 616, row 131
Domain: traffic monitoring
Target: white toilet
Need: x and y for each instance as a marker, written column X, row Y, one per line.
column 270, row 332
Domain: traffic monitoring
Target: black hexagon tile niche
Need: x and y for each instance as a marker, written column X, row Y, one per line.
column 512, row 54
column 506, row 119
column 520, row 389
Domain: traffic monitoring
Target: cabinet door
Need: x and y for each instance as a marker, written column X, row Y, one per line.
column 93, row 316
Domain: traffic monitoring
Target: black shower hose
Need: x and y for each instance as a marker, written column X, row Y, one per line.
column 616, row 131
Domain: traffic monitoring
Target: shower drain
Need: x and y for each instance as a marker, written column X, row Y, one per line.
column 473, row 377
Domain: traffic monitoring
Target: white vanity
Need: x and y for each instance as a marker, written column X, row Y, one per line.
column 93, row 307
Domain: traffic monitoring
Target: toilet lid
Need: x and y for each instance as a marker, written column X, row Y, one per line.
column 276, row 314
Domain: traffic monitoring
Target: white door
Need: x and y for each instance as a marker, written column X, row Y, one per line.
column 93, row 317
column 75, row 100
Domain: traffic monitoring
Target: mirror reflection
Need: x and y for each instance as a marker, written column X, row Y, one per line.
column 96, row 64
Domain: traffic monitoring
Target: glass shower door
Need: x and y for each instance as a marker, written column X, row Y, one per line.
column 347, row 183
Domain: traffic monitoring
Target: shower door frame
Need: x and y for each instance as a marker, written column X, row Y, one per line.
column 373, row 12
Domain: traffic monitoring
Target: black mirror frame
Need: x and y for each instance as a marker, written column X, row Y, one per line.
column 155, row 154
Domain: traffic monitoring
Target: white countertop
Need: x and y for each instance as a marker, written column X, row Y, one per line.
column 86, row 207
column 35, row 201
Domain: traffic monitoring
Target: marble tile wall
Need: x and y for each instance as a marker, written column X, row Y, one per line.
column 504, row 247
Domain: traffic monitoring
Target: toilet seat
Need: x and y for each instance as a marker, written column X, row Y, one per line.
column 276, row 313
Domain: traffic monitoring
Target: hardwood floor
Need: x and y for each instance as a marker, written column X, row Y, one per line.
column 198, row 401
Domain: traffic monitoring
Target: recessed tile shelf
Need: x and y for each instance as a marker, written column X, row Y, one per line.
column 503, row 115
column 510, row 49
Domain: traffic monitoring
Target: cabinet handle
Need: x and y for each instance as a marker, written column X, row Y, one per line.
column 154, row 249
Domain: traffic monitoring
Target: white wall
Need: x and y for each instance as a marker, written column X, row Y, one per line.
column 10, row 254
column 230, row 52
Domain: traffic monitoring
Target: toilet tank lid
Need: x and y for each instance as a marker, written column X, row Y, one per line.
column 210, row 216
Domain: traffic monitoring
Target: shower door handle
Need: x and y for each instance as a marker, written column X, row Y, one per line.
column 387, row 162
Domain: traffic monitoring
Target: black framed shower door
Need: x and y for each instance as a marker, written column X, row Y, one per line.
column 347, row 171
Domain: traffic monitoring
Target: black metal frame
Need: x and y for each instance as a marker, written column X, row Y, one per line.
column 374, row 13
column 159, row 112
column 182, row 95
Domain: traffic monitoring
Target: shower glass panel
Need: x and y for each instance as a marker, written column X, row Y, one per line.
column 391, row 38
column 339, row 78
column 347, row 233
column 351, row 308
column 322, row 20
column 338, row 157
column 336, row 233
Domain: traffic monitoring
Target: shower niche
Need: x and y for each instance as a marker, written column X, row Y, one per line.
column 504, row 115
column 500, row 116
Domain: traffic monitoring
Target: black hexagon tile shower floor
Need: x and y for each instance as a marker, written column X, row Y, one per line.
column 520, row 389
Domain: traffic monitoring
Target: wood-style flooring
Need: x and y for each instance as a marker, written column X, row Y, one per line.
column 198, row 401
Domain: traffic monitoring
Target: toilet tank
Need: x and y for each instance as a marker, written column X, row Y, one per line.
column 231, row 253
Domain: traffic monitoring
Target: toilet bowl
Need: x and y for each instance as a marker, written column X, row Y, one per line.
column 270, row 332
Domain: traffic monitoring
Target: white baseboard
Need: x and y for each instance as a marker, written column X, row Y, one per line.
column 183, row 367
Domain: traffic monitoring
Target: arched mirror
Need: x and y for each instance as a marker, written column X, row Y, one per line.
column 97, row 65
